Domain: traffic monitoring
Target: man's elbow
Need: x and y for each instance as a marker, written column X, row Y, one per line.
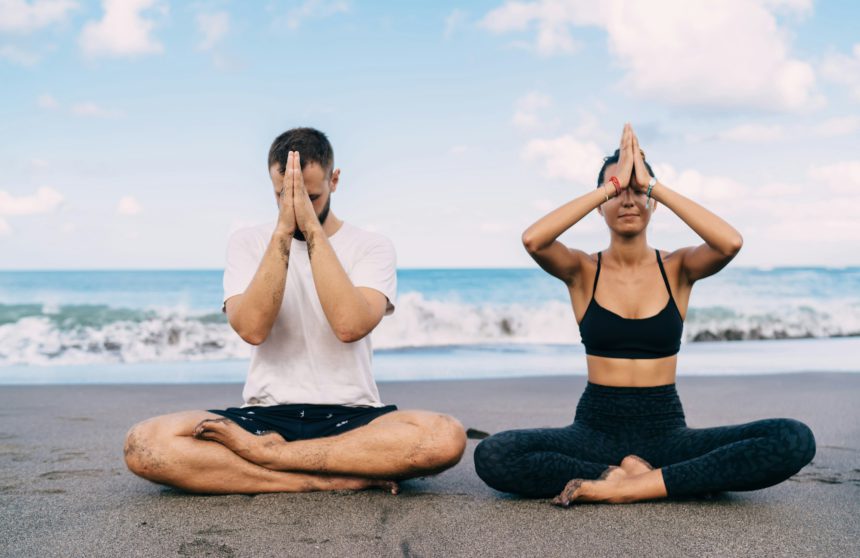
column 350, row 331
column 250, row 335
column 346, row 334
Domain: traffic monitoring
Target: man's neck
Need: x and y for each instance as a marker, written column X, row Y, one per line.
column 332, row 224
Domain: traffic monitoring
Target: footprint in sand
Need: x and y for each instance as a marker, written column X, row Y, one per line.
column 72, row 474
column 202, row 547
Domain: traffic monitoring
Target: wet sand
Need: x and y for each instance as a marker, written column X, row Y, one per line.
column 64, row 489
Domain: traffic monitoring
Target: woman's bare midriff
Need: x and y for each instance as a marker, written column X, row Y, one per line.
column 631, row 372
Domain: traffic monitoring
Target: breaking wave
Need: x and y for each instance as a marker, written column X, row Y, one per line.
column 40, row 334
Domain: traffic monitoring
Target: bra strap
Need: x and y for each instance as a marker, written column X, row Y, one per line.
column 596, row 275
column 663, row 272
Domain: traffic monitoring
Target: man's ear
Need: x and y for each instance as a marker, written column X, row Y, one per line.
column 335, row 178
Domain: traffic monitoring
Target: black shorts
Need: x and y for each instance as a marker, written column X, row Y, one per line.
column 302, row 421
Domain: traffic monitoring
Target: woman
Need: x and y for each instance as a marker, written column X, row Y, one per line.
column 629, row 440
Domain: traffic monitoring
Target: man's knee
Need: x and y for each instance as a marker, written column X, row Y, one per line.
column 442, row 442
column 143, row 452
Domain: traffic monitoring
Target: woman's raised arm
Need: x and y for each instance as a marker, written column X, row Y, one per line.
column 540, row 239
column 722, row 241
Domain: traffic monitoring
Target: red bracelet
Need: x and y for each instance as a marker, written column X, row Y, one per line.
column 615, row 182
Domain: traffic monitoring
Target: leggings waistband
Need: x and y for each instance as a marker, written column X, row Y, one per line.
column 640, row 408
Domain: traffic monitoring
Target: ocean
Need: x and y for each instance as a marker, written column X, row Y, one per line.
column 166, row 326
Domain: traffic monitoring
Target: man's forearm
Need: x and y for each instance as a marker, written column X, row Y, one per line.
column 345, row 308
column 261, row 302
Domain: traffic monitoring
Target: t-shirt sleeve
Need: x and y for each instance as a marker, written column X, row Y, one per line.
column 377, row 269
column 243, row 259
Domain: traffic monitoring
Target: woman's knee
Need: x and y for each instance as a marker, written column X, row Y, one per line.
column 797, row 442
column 493, row 458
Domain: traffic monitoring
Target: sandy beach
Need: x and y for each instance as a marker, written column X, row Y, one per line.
column 65, row 490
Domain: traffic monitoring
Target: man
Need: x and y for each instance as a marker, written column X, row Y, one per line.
column 306, row 292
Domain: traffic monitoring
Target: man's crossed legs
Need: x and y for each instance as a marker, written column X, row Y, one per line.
column 199, row 451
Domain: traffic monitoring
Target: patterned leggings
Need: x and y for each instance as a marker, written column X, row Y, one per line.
column 614, row 422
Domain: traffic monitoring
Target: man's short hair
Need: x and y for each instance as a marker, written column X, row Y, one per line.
column 312, row 145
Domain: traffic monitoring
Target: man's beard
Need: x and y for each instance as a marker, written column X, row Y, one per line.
column 298, row 235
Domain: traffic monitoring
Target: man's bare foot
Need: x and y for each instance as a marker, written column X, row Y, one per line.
column 258, row 449
column 358, row 483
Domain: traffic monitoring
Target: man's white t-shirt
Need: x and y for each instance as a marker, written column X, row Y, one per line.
column 302, row 360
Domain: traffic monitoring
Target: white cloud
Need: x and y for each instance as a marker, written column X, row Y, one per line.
column 213, row 27
column 18, row 55
column 128, row 205
column 843, row 69
column 551, row 17
column 47, row 102
column 458, row 150
column 315, row 9
column 123, row 29
column 798, row 7
column 44, row 200
column 698, row 186
column 686, row 53
column 837, row 126
column 839, row 178
column 18, row 16
column 5, row 229
column 528, row 109
column 566, row 158
column 455, row 20
column 753, row 133
column 94, row 111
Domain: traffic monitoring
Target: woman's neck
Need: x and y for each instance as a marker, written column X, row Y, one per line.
column 626, row 251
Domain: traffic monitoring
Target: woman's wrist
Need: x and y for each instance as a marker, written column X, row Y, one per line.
column 607, row 191
column 657, row 190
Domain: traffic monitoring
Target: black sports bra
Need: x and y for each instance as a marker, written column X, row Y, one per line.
column 607, row 334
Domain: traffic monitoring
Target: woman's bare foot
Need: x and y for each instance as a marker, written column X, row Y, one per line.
column 630, row 466
column 581, row 490
column 634, row 465
column 616, row 486
column 613, row 473
column 258, row 449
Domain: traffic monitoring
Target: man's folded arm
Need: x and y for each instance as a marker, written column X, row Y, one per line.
column 252, row 313
column 353, row 311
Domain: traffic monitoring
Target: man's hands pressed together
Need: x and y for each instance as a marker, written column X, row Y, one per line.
column 287, row 214
column 306, row 218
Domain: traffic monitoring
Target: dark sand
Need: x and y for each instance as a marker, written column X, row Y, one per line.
column 65, row 491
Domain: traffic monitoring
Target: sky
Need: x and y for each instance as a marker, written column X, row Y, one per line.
column 134, row 133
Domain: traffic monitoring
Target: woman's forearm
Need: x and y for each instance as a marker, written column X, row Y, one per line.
column 716, row 232
column 547, row 229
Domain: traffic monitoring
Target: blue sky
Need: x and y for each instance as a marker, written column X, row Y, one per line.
column 135, row 132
